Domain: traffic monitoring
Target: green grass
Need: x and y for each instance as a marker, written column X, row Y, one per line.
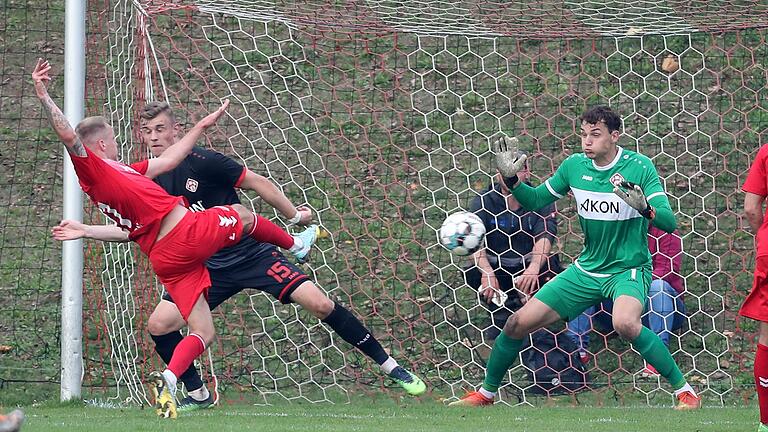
column 386, row 415
column 382, row 181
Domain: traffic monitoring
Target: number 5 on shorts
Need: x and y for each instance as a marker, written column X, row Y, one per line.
column 279, row 272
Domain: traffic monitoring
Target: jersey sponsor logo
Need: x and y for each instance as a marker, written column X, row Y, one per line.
column 595, row 206
column 616, row 179
column 763, row 381
column 192, row 185
column 227, row 221
column 586, row 177
column 605, row 206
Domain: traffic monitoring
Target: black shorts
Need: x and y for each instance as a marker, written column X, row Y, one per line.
column 271, row 273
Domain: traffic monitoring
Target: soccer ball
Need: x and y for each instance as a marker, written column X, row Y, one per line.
column 462, row 233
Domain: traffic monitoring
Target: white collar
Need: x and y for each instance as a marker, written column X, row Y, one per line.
column 613, row 162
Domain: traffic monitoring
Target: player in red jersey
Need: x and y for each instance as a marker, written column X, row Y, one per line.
column 176, row 240
column 756, row 304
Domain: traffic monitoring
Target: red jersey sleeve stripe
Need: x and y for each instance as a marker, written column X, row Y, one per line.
column 241, row 178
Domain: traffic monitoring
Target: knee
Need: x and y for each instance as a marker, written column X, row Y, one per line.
column 157, row 325
column 207, row 335
column 321, row 307
column 657, row 285
column 628, row 329
column 246, row 216
column 515, row 328
column 762, row 338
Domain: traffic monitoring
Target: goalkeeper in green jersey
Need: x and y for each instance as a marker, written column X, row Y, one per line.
column 617, row 193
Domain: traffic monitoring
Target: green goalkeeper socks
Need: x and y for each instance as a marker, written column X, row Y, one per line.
column 653, row 350
column 503, row 354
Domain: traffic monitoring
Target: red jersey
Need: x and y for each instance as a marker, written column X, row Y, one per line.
column 134, row 202
column 757, row 183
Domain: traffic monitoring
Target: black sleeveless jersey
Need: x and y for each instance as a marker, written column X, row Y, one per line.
column 207, row 179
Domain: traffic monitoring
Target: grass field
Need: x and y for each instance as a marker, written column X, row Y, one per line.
column 383, row 415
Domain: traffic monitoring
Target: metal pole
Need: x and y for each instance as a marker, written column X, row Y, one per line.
column 72, row 251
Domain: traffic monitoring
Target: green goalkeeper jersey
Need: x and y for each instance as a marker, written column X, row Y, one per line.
column 615, row 234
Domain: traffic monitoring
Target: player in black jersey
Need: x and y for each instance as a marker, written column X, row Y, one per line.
column 205, row 179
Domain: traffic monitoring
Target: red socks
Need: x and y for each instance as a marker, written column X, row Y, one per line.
column 761, row 381
column 265, row 231
column 185, row 353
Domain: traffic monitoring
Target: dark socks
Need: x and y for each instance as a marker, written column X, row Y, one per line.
column 354, row 332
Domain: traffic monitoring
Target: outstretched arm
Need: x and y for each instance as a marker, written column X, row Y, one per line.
column 510, row 161
column 173, row 155
column 753, row 210
column 57, row 119
column 274, row 197
column 533, row 197
column 73, row 230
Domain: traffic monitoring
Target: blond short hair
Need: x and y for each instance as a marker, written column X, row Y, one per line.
column 91, row 129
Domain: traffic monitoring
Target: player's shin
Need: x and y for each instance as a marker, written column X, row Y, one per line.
column 653, row 350
column 346, row 325
column 503, row 355
column 185, row 353
column 165, row 345
column 761, row 381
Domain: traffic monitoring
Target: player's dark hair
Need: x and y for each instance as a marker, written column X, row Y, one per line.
column 153, row 109
column 91, row 127
column 602, row 113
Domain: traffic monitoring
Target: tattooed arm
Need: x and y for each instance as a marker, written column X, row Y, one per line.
column 57, row 119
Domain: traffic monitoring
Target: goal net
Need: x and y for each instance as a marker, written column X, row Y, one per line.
column 379, row 115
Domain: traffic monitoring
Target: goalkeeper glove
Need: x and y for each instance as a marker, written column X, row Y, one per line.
column 509, row 160
column 635, row 198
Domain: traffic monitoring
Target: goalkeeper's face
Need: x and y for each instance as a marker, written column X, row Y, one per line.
column 159, row 133
column 598, row 143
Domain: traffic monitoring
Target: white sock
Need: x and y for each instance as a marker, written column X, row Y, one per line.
column 685, row 388
column 486, row 393
column 389, row 365
column 200, row 394
column 171, row 380
column 298, row 244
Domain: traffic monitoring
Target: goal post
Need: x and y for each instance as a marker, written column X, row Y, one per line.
column 72, row 252
column 379, row 115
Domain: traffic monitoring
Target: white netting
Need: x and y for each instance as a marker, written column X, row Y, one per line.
column 383, row 126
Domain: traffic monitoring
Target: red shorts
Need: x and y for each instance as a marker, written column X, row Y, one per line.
column 756, row 304
column 179, row 258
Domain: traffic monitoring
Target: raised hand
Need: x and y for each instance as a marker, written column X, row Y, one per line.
column 509, row 160
column 68, row 230
column 58, row 120
column 40, row 76
column 633, row 195
column 213, row 117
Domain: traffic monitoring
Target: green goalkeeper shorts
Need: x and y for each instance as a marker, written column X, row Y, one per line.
column 574, row 290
